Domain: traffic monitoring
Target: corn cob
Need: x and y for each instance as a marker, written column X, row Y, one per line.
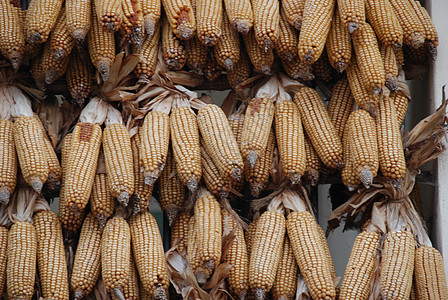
column 8, row 165
column 363, row 145
column 340, row 105
column 61, row 41
column 101, row 202
column 52, row 67
column 216, row 183
column 249, row 235
column 236, row 122
column 51, row 256
column 79, row 77
column 391, row 154
column 401, row 102
column 54, row 168
column 227, row 49
column 179, row 231
column 266, row 23
column 142, row 192
column 364, row 98
column 41, row 18
column 131, row 290
column 30, row 147
column 306, row 242
column 369, row 59
column 361, row 266
column 315, row 28
column 238, row 277
column 149, row 255
column 108, row 13
column 221, row 146
column 390, row 67
column 413, row 295
column 352, row 14
column 349, row 176
column 196, row 54
column 323, row 238
column 171, row 189
column 209, row 21
column 148, row 55
column 186, row 146
column 119, row 163
column 290, row 140
column 21, row 263
column 241, row 70
column 151, row 10
column 288, row 39
column 323, row 69
column 12, row 39
column 78, row 14
column 298, row 69
column 338, row 44
column 132, row 24
column 101, row 44
column 286, row 278
column 240, row 15
column 313, row 163
column 413, row 30
column 84, row 147
column 201, row 273
column 173, row 51
column 314, row 115
column 3, row 256
column 115, row 254
column 399, row 57
column 430, row 279
column 398, row 254
column 266, row 252
column 294, row 12
column 180, row 15
column 261, row 60
column 431, row 37
column 37, row 70
column 384, row 21
column 86, row 268
column 155, row 143
column 208, row 227
column 258, row 176
column 212, row 69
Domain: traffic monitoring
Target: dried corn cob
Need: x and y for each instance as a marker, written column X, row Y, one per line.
column 401, row 102
column 151, row 10
column 399, row 56
column 61, row 41
column 52, row 67
column 294, row 12
column 249, row 235
column 266, row 23
column 266, row 252
column 352, row 14
column 430, row 279
column 201, row 273
column 108, row 13
column 364, row 98
column 361, row 266
column 384, row 21
column 298, row 69
column 54, row 169
column 196, row 54
column 216, row 183
column 131, row 290
column 171, row 189
column 8, row 165
column 241, row 70
column 78, row 14
column 212, row 69
column 315, row 28
column 79, row 77
column 155, row 142
column 3, row 256
column 132, row 23
column 261, row 60
column 290, row 140
column 173, row 51
column 37, row 69
column 288, row 39
column 339, row 46
column 51, row 256
column 236, row 122
column 240, row 15
column 180, row 15
column 369, row 59
column 398, row 254
column 179, row 231
column 391, row 154
column 12, row 39
column 142, row 192
column 431, row 37
column 101, row 44
column 41, row 18
column 227, row 49
column 148, row 55
column 313, row 163
column 209, row 21
column 349, row 176
column 323, row 70
column 314, row 115
column 390, row 67
column 186, row 146
column 413, row 30
column 340, row 105
column 149, row 255
column 286, row 278
column 323, row 238
column 221, row 146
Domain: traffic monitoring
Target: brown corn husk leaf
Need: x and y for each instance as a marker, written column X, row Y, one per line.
column 21, row 80
column 52, row 119
column 218, row 276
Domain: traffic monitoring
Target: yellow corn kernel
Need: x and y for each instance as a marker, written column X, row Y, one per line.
column 8, row 161
column 148, row 55
column 79, row 77
column 12, row 38
column 53, row 68
column 384, row 21
column 216, row 183
column 298, row 69
column 151, row 10
column 240, row 14
column 261, row 60
column 429, row 274
column 173, row 51
column 390, row 67
column 413, row 30
column 108, row 13
column 338, row 45
column 294, row 12
column 61, row 41
column 313, row 163
column 266, row 23
column 41, row 18
column 286, row 278
column 179, row 231
column 401, row 102
column 209, row 21
column 431, row 37
column 288, row 39
column 196, row 54
column 101, row 202
column 79, row 14
column 180, row 15
column 352, row 14
column 227, row 49
column 240, row 72
column 340, row 105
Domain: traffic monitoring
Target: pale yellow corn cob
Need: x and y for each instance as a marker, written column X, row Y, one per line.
column 249, row 236
column 53, row 68
column 151, row 10
column 241, row 70
column 294, row 12
column 186, row 146
column 41, row 18
column 8, row 161
column 298, row 69
column 108, row 13
column 430, row 279
column 266, row 251
column 261, row 60
column 318, row 126
column 148, row 55
column 86, row 268
column 288, row 39
column 349, row 176
column 180, row 15
column 313, row 163
column 227, row 49
column 37, row 69
column 290, row 140
column 196, row 54
column 216, row 183
column 149, row 255
column 102, row 202
column 142, row 192
column 390, row 67
column 323, row 69
column 286, row 278
column 399, row 56
column 79, row 14
column 397, row 265
column 173, row 51
column 54, row 168
column 61, row 41
column 352, row 14
column 21, row 264
column 212, row 69
column 12, row 38
column 340, row 105
column 266, row 23
column 323, row 238
column 401, row 102
column 383, row 20
column 179, row 231
column 201, row 273
column 79, row 77
column 315, row 28
column 155, row 141
column 131, row 290
column 209, row 21
column 132, row 24
column 364, row 98
column 3, row 256
column 240, row 14
column 53, row 272
column 338, row 45
column 431, row 36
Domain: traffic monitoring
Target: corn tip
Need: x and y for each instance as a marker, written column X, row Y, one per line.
column 36, row 184
column 192, row 183
column 366, row 177
column 243, row 26
column 35, row 37
column 123, row 198
column 171, row 213
column 417, row 40
column 118, row 293
column 312, row 176
column 309, row 57
column 185, row 32
column 210, row 264
column 256, row 188
column 228, row 64
column 391, row 84
column 16, row 59
column 252, row 158
column 341, row 65
column 242, row 295
column 79, row 36
column 353, row 27
column 59, row 53
column 78, row 294
column 432, row 49
column 352, row 187
column 50, row 76
column 201, row 276
column 104, row 69
column 4, row 195
column 236, row 173
column 160, row 294
column 259, row 293
column 294, row 178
